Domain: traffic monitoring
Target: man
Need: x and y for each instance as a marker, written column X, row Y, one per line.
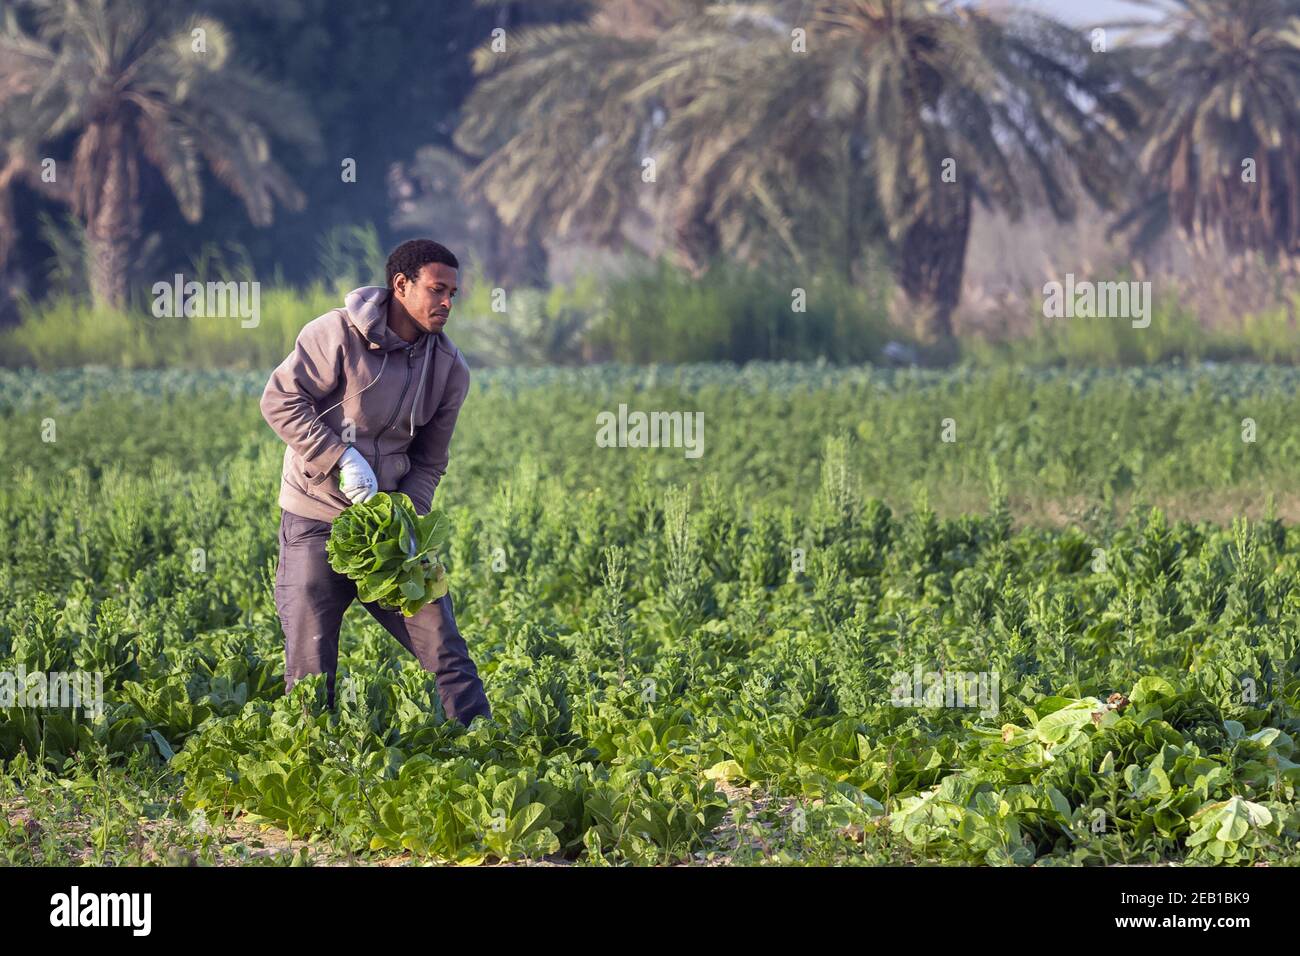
column 367, row 402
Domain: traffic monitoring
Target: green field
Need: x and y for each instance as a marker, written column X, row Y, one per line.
column 688, row 660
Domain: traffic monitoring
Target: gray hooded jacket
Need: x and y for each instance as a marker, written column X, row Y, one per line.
column 351, row 380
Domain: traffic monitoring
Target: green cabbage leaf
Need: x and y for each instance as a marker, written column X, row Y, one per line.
column 391, row 552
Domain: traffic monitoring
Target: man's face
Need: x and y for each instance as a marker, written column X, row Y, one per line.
column 427, row 297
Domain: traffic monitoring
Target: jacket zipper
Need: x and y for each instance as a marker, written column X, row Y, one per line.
column 410, row 363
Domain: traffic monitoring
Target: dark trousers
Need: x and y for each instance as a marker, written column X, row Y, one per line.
column 311, row 598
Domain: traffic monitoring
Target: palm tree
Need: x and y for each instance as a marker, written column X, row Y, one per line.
column 125, row 80
column 759, row 165
column 899, row 116
column 1225, row 89
column 563, row 121
column 1013, row 106
column 559, row 124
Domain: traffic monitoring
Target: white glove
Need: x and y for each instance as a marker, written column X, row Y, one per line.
column 357, row 479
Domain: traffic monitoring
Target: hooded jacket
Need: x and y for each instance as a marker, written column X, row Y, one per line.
column 351, row 380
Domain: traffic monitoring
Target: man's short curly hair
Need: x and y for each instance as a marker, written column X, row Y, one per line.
column 410, row 256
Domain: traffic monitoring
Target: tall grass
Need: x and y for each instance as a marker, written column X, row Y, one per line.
column 738, row 315
column 661, row 315
column 1176, row 332
column 66, row 331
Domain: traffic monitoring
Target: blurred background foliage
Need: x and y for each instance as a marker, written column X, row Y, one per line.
column 798, row 208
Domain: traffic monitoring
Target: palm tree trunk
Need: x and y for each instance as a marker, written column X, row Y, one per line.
column 694, row 241
column 513, row 259
column 930, row 262
column 113, row 226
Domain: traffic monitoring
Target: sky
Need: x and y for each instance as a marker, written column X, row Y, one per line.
column 1082, row 12
column 1089, row 11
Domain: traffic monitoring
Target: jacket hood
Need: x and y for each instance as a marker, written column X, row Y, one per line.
column 367, row 309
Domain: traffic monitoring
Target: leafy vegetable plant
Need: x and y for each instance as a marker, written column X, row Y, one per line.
column 391, row 552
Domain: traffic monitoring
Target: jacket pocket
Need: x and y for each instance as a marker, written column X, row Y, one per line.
column 323, row 487
column 310, row 476
column 392, row 469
